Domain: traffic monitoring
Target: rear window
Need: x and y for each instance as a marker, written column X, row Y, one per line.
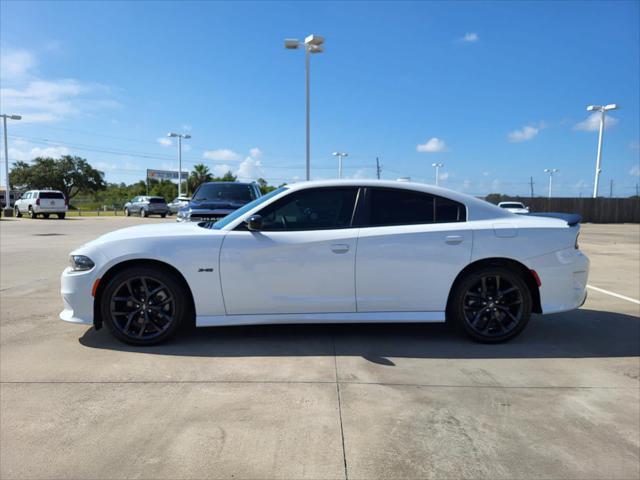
column 157, row 200
column 224, row 192
column 51, row 195
column 512, row 205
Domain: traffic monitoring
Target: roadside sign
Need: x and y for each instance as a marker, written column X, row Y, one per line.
column 165, row 174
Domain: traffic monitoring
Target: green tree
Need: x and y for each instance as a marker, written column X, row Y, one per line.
column 227, row 177
column 69, row 174
column 199, row 175
column 264, row 186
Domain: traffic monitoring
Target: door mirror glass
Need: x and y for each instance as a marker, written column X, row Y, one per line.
column 254, row 222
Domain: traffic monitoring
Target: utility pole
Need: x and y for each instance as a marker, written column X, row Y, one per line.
column 378, row 169
column 637, row 190
column 8, row 211
column 437, row 167
column 180, row 136
column 611, row 188
column 531, row 184
column 340, row 156
column 551, row 171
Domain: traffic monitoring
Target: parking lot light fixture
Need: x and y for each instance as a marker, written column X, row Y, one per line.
column 340, row 156
column 312, row 44
column 8, row 211
column 551, row 171
column 603, row 109
column 437, row 167
column 180, row 136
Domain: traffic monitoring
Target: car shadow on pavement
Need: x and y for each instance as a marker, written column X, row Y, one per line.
column 578, row 334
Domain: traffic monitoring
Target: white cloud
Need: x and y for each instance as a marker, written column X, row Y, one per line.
column 220, row 169
column 46, row 100
column 433, row 145
column 486, row 173
column 29, row 153
column 592, row 123
column 444, row 175
column 186, row 128
column 525, row 133
column 16, row 63
column 466, row 184
column 470, row 37
column 255, row 152
column 222, row 154
column 359, row 174
column 635, row 171
column 165, row 142
column 250, row 169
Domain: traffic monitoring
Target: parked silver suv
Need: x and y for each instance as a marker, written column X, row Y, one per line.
column 145, row 205
column 41, row 202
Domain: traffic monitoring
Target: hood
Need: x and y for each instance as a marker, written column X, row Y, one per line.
column 142, row 232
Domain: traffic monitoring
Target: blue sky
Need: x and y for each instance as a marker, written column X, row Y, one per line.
column 495, row 91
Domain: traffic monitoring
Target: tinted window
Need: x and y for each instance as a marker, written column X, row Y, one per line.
column 224, row 191
column 449, row 211
column 400, row 207
column 512, row 205
column 156, row 200
column 242, row 210
column 406, row 207
column 51, row 195
column 313, row 209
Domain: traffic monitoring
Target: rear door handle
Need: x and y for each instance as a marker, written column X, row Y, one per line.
column 453, row 239
column 339, row 248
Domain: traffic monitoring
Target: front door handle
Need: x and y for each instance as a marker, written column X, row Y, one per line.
column 339, row 248
column 453, row 239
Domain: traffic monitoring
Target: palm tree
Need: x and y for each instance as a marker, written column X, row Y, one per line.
column 199, row 175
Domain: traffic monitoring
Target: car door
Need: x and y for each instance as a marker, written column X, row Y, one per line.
column 411, row 247
column 301, row 261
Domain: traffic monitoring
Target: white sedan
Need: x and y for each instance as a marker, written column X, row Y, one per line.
column 331, row 252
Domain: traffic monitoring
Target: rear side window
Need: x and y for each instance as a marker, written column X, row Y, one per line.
column 313, row 209
column 405, row 207
column 51, row 195
column 157, row 200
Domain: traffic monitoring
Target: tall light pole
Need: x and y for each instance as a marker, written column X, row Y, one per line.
column 340, row 156
column 551, row 171
column 180, row 136
column 602, row 109
column 312, row 44
column 8, row 212
column 437, row 166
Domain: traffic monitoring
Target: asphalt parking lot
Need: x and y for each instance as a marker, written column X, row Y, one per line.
column 360, row 402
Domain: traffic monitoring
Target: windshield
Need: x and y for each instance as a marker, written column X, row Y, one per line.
column 242, row 210
column 512, row 205
column 237, row 192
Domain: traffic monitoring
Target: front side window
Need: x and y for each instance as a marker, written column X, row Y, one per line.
column 242, row 210
column 312, row 209
column 388, row 206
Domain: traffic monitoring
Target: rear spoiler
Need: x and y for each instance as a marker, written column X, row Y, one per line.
column 571, row 218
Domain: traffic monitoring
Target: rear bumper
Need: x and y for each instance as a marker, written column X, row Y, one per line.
column 564, row 276
column 44, row 209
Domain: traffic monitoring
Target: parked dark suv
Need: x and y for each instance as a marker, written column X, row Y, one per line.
column 214, row 200
column 145, row 206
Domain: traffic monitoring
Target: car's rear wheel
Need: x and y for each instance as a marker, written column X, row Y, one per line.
column 163, row 215
column 61, row 216
column 32, row 214
column 143, row 305
column 143, row 212
column 45, row 215
column 491, row 304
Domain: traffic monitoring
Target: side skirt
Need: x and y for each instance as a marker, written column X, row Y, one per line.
column 292, row 318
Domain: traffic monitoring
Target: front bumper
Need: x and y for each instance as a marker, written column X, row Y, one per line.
column 77, row 297
column 564, row 275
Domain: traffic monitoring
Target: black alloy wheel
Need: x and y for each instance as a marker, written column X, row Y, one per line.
column 492, row 305
column 143, row 306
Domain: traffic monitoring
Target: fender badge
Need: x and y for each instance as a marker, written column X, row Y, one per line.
column 205, row 270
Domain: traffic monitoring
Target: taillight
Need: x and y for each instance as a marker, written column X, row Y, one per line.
column 37, row 201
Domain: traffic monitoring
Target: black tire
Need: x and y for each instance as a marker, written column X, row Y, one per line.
column 143, row 213
column 45, row 215
column 17, row 212
column 491, row 304
column 127, row 213
column 61, row 216
column 32, row 214
column 123, row 302
column 163, row 215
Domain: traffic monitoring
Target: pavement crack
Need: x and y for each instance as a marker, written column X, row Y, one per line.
column 344, row 453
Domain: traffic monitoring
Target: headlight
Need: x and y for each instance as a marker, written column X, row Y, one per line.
column 80, row 263
column 183, row 215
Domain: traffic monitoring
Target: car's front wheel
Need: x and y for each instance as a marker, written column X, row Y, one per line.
column 143, row 305
column 17, row 212
column 491, row 304
column 127, row 212
column 143, row 212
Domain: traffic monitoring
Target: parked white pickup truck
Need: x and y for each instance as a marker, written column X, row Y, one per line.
column 41, row 202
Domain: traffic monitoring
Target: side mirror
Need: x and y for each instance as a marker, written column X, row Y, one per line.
column 254, row 222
